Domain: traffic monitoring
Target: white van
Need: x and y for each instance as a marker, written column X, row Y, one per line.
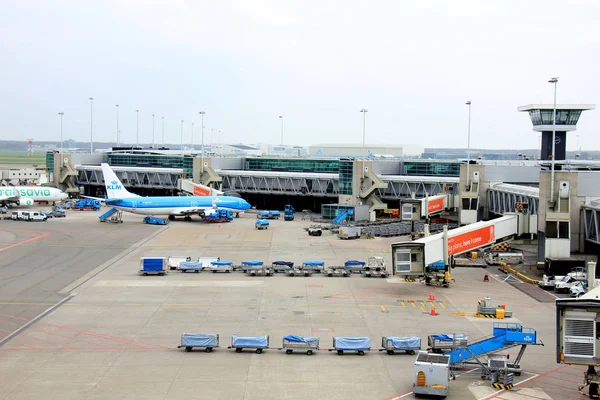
column 36, row 216
column 20, row 216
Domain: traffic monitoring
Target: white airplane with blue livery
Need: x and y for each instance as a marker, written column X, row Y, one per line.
column 185, row 206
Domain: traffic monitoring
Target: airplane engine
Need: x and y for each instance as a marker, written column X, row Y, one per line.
column 24, row 201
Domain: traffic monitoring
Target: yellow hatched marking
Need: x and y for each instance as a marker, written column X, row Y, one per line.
column 442, row 305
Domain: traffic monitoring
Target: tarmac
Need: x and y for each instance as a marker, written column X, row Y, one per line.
column 116, row 333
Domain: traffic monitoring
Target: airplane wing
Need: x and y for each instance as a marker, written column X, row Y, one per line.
column 97, row 198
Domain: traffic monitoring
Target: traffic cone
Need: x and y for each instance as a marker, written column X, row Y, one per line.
column 433, row 312
column 431, row 296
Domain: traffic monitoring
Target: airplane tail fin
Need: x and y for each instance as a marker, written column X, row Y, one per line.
column 114, row 187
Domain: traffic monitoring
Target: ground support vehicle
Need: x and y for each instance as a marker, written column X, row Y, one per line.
column 153, row 266
column 557, row 268
column 282, row 266
column 349, row 232
column 149, row 219
column 207, row 341
column 486, row 308
column 299, row 343
column 355, row 266
column 432, row 374
column 288, row 213
column 496, row 258
column 174, row 261
column 86, row 205
column 408, row 344
column 376, row 274
column 258, row 343
column 576, row 275
column 194, row 266
column 272, row 214
column 248, row 265
column 298, row 272
column 358, row 344
column 112, row 215
column 314, row 230
column 34, row 216
column 441, row 343
column 337, row 271
column 219, row 216
column 261, row 224
column 20, row 215
column 314, row 266
column 262, row 271
column 221, row 266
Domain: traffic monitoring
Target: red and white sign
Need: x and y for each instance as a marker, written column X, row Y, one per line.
column 435, row 204
column 198, row 191
column 471, row 240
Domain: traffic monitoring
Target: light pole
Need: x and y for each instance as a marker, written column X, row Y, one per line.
column 202, row 151
column 220, row 144
column 212, row 130
column 152, row 130
column 137, row 128
column 468, row 145
column 163, row 130
column 555, row 81
column 182, row 137
column 61, row 129
column 118, row 131
column 364, row 111
column 281, row 118
column 192, row 137
column 91, row 125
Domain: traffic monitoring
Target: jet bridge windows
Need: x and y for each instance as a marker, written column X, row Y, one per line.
column 557, row 230
column 470, row 203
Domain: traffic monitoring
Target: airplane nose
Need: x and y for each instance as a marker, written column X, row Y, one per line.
column 246, row 205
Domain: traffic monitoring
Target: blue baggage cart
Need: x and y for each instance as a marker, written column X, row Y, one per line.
column 258, row 343
column 408, row 344
column 315, row 266
column 221, row 266
column 358, row 344
column 207, row 341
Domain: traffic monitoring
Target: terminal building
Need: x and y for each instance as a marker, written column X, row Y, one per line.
column 559, row 200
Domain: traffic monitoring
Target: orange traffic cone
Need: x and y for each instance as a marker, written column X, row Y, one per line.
column 431, row 296
column 433, row 312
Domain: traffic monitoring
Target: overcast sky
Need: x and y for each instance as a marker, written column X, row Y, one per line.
column 412, row 64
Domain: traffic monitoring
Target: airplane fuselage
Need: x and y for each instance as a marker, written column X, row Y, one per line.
column 183, row 205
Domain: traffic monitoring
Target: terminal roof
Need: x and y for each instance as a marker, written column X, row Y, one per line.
column 582, row 107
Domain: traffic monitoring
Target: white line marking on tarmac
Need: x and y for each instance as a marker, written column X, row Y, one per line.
column 516, row 384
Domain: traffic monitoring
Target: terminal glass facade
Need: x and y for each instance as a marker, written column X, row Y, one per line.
column 152, row 160
column 563, row 117
column 50, row 161
column 431, row 168
column 346, row 174
column 292, row 165
column 330, row 211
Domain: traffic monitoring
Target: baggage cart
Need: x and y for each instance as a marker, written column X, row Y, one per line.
column 358, row 344
column 251, row 264
column 174, row 261
column 293, row 342
column 221, row 266
column 153, row 266
column 432, row 374
column 355, row 266
column 314, row 266
column 282, row 266
column 261, row 224
column 376, row 274
column 442, row 342
column 193, row 266
column 262, row 271
column 207, row 341
column 336, row 271
column 298, row 272
column 258, row 343
column 408, row 344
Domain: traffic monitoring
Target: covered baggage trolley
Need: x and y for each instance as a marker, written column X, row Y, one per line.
column 443, row 342
column 432, row 374
column 251, row 264
column 194, row 266
column 299, row 272
column 174, row 261
column 293, row 342
column 336, row 271
column 258, row 343
column 315, row 266
column 208, row 341
column 262, row 215
column 358, row 344
column 261, row 224
column 223, row 266
column 355, row 266
column 282, row 266
column 407, row 344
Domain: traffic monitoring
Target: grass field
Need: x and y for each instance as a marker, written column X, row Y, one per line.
column 20, row 159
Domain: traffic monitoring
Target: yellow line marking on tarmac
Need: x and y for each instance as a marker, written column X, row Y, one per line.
column 442, row 305
column 422, row 304
column 383, row 309
column 423, row 308
column 432, row 305
column 403, row 305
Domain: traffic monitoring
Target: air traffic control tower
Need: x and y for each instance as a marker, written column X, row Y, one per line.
column 567, row 116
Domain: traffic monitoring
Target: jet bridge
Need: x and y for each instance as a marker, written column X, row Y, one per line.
column 431, row 256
